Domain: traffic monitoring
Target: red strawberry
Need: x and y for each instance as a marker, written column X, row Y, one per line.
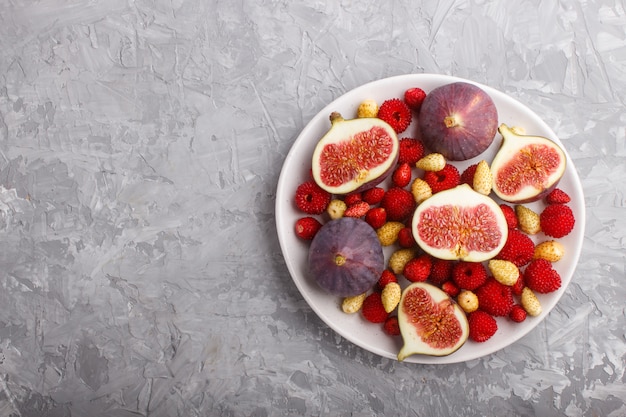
column 356, row 210
column 540, row 277
column 307, row 227
column 445, row 179
column 385, row 278
column 558, row 196
column 311, row 199
column 353, row 198
column 557, row 220
column 517, row 314
column 373, row 195
column 450, row 288
column 495, row 298
column 467, row 177
column 418, row 268
column 401, row 176
column 391, row 326
column 411, row 151
column 518, row 286
column 405, row 238
column 441, row 271
column 395, row 112
column 469, row 275
column 413, row 97
column 373, row 309
column 376, row 217
column 399, row 204
column 481, row 326
column 509, row 215
column 519, row 248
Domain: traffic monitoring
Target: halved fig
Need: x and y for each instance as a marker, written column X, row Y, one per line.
column 460, row 223
column 526, row 168
column 354, row 155
column 431, row 323
column 458, row 120
column 346, row 257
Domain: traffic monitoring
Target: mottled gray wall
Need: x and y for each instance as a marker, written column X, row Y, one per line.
column 140, row 146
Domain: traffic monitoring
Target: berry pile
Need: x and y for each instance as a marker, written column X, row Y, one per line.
column 505, row 287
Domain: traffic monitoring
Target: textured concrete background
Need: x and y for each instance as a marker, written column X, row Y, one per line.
column 140, row 147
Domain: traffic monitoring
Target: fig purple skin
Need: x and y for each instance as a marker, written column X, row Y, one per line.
column 346, row 257
column 458, row 120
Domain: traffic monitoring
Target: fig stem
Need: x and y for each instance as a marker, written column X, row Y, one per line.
column 450, row 121
column 335, row 117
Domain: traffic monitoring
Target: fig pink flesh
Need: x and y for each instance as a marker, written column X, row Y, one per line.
column 436, row 323
column 366, row 150
column 473, row 228
column 531, row 166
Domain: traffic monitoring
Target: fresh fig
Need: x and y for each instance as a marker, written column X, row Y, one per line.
column 458, row 120
column 354, row 155
column 431, row 323
column 526, row 168
column 346, row 257
column 460, row 223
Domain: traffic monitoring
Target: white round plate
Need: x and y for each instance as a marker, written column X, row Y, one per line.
column 354, row 327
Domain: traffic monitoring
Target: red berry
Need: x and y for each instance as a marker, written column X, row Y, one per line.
column 445, row 179
column 356, row 210
column 519, row 248
column 385, row 278
column 556, row 220
column 469, row 275
column 558, row 196
column 373, row 309
column 353, row 198
column 495, row 298
column 509, row 215
column 401, row 176
column 411, row 151
column 418, row 268
column 413, row 97
column 518, row 286
column 392, row 326
column 517, row 314
column 450, row 288
column 405, row 238
column 399, row 204
column 441, row 271
column 481, row 326
column 373, row 195
column 307, row 227
column 311, row 199
column 376, row 217
column 395, row 112
column 467, row 177
column 540, row 277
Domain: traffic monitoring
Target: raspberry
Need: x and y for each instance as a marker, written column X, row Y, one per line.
column 311, row 199
column 519, row 248
column 467, row 176
column 392, row 326
column 307, row 227
column 353, row 198
column 411, row 151
column 558, row 196
column 418, row 268
column 385, row 278
column 450, row 288
column 509, row 215
column 414, row 97
column 481, row 326
column 441, row 271
column 373, row 309
column 401, row 176
column 376, row 217
column 495, row 298
column 444, row 179
column 557, row 220
column 373, row 195
column 469, row 275
column 405, row 238
column 540, row 277
column 399, row 204
column 395, row 112
column 517, row 314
